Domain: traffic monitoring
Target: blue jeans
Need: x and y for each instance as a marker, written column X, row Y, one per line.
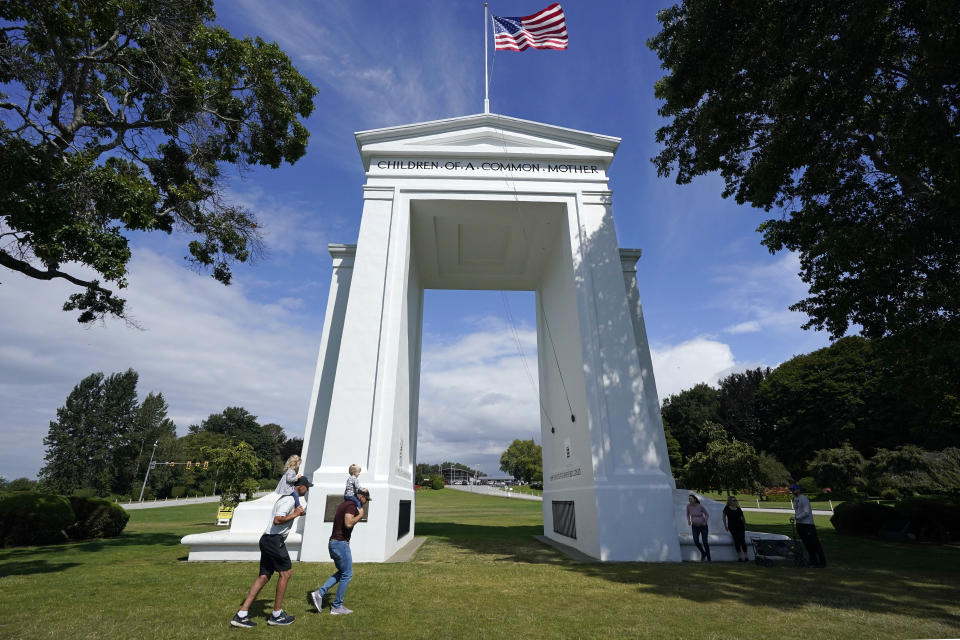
column 700, row 532
column 355, row 501
column 343, row 561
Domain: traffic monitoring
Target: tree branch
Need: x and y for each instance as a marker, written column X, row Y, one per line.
column 14, row 264
column 92, row 56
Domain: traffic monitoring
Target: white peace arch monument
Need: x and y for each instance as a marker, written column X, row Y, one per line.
column 487, row 202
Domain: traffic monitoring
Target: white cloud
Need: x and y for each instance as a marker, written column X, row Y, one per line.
column 476, row 395
column 204, row 346
column 359, row 57
column 762, row 294
column 751, row 326
column 682, row 366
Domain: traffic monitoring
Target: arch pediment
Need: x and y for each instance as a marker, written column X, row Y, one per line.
column 485, row 135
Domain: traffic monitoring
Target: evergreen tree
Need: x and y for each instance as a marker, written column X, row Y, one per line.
column 85, row 443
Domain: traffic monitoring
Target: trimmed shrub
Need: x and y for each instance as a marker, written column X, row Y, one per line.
column 34, row 518
column 933, row 518
column 862, row 518
column 436, row 482
column 96, row 518
column 808, row 486
column 890, row 494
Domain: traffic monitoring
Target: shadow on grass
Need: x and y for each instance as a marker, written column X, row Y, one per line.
column 503, row 544
column 788, row 588
column 30, row 567
column 867, row 575
column 92, row 546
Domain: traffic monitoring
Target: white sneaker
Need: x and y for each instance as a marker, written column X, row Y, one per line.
column 317, row 598
column 340, row 611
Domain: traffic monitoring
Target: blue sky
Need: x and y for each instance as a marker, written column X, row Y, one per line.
column 715, row 300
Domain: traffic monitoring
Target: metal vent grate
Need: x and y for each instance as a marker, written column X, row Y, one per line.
column 403, row 528
column 564, row 518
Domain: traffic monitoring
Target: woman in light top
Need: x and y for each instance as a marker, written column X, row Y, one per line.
column 697, row 518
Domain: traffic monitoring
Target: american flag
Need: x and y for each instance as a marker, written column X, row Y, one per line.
column 545, row 29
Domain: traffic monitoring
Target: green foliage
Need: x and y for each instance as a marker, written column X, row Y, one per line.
column 843, row 116
column 238, row 424
column 739, row 409
column 725, row 463
column 523, row 459
column 932, row 518
column 120, row 117
column 890, row 494
column 927, row 518
column 839, row 469
column 34, row 518
column 236, row 467
column 96, row 518
column 102, row 437
column 772, row 471
column 436, row 482
column 673, row 452
column 21, row 484
column 686, row 413
column 911, row 470
column 819, row 400
column 86, row 441
column 808, row 486
column 862, row 518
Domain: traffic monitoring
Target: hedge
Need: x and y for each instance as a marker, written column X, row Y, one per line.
column 933, row 518
column 34, row 518
column 96, row 518
column 930, row 518
column 39, row 518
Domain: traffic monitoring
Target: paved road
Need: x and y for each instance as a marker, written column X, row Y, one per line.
column 178, row 502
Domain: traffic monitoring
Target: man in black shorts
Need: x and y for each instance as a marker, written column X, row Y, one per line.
column 274, row 557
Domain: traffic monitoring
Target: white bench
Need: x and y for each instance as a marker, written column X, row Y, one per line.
column 721, row 544
column 242, row 540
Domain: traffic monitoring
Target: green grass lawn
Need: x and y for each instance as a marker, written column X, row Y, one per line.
column 479, row 575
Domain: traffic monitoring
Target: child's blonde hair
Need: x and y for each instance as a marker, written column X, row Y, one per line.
column 354, row 469
column 292, row 462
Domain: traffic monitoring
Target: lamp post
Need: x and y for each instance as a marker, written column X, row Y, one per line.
column 149, row 466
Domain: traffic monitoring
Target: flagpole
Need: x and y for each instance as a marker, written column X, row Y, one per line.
column 486, row 76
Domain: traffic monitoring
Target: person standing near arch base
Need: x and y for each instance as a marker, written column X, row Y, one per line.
column 348, row 515
column 806, row 528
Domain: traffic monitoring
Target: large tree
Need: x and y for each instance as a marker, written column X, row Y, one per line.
column 119, row 116
column 685, row 413
column 725, row 463
column 236, row 467
column 845, row 117
column 86, row 445
column 739, row 409
column 821, row 400
column 523, row 459
column 240, row 425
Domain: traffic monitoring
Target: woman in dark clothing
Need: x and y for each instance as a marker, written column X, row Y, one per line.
column 736, row 524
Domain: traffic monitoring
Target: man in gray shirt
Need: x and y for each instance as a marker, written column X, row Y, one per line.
column 274, row 557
